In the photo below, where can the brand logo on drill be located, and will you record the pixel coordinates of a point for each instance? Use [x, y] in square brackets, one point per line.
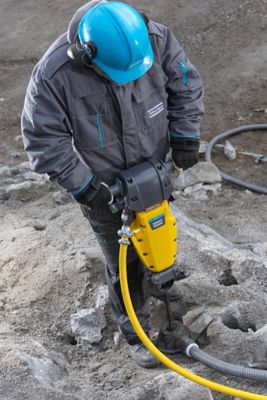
[157, 222]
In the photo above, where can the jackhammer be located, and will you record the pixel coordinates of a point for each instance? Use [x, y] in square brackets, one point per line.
[142, 193]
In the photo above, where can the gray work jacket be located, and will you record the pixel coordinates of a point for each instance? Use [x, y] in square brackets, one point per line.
[75, 123]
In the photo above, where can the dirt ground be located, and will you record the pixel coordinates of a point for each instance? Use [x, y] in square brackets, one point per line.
[50, 263]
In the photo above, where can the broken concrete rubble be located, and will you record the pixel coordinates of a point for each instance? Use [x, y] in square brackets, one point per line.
[258, 341]
[200, 325]
[21, 168]
[49, 368]
[202, 172]
[5, 171]
[20, 183]
[233, 319]
[87, 324]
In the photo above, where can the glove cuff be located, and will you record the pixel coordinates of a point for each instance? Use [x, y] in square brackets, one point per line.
[185, 144]
[89, 192]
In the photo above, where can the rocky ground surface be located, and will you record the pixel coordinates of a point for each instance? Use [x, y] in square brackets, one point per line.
[52, 286]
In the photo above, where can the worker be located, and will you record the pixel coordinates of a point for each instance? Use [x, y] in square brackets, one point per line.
[114, 90]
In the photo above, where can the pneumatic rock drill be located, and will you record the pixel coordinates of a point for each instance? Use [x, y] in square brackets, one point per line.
[142, 193]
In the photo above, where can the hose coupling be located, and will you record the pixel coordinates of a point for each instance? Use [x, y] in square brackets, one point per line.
[189, 347]
[125, 233]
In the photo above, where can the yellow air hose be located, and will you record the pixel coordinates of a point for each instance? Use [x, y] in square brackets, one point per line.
[156, 352]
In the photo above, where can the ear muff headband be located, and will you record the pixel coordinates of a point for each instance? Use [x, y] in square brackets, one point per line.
[144, 16]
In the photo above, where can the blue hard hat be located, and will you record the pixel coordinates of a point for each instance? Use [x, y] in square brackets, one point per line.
[115, 38]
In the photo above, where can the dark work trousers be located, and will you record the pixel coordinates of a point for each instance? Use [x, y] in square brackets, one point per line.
[106, 226]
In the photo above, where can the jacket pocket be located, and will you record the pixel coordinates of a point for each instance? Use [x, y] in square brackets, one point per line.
[94, 120]
[94, 131]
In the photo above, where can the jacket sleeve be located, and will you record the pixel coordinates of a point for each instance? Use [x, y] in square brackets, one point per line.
[185, 92]
[47, 137]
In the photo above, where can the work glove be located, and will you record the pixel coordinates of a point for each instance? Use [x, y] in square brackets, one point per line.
[184, 158]
[95, 195]
[184, 151]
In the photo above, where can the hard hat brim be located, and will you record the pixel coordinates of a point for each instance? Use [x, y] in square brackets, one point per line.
[123, 77]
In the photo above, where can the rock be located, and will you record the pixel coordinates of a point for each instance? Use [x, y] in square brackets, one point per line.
[190, 189]
[16, 187]
[202, 172]
[196, 192]
[210, 243]
[5, 171]
[47, 370]
[62, 197]
[206, 237]
[229, 151]
[102, 297]
[257, 349]
[34, 177]
[21, 168]
[29, 190]
[24, 186]
[199, 191]
[233, 319]
[88, 324]
[200, 325]
[215, 187]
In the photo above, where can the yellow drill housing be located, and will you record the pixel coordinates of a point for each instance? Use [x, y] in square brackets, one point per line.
[155, 237]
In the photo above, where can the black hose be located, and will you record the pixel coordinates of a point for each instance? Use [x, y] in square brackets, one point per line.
[232, 132]
[225, 367]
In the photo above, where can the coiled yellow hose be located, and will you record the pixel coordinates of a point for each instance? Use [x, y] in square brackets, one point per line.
[156, 352]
